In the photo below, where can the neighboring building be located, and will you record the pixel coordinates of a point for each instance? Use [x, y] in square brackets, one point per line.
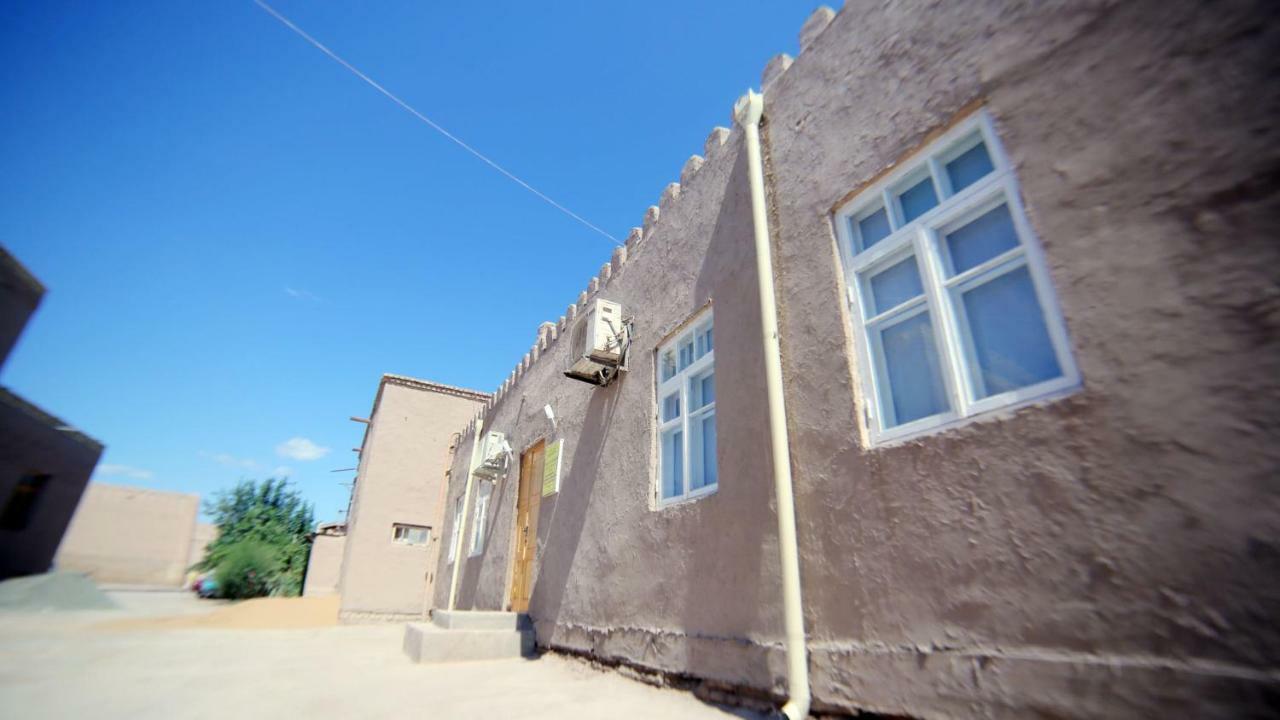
[44, 462]
[131, 536]
[389, 559]
[1025, 258]
[324, 564]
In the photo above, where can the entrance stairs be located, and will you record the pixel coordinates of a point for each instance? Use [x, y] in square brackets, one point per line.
[456, 635]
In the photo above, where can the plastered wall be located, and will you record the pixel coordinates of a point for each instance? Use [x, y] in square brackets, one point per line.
[402, 469]
[131, 536]
[1107, 554]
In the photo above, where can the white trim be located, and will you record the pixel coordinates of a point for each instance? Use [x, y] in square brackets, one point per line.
[924, 239]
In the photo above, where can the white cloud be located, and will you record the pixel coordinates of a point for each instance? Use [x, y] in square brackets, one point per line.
[229, 460]
[123, 471]
[301, 294]
[300, 448]
[282, 471]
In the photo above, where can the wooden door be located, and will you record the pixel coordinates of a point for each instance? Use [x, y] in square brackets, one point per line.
[527, 504]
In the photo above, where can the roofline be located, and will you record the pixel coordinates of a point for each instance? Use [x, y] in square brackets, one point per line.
[427, 385]
[21, 272]
[9, 397]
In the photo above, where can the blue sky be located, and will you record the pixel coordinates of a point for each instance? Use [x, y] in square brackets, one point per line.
[239, 237]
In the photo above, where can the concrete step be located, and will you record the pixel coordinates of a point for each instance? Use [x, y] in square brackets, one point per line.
[430, 643]
[480, 620]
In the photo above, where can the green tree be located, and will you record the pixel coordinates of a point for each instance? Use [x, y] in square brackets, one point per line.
[262, 542]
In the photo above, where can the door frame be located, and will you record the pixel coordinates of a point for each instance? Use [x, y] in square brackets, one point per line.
[534, 488]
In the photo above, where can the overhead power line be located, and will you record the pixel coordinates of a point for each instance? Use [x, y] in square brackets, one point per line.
[430, 123]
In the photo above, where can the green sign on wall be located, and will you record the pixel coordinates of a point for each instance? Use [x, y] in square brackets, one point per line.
[551, 468]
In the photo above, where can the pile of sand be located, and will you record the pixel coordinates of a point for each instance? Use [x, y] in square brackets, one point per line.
[257, 614]
[53, 591]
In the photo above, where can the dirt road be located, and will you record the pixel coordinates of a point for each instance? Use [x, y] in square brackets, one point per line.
[85, 664]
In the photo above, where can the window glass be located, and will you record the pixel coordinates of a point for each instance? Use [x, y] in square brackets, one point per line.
[704, 391]
[709, 449]
[969, 167]
[914, 377]
[671, 407]
[1008, 334]
[686, 353]
[873, 228]
[668, 365]
[981, 239]
[704, 341]
[917, 200]
[704, 449]
[895, 285]
[672, 463]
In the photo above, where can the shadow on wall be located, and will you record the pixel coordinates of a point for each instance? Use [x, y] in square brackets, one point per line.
[732, 531]
[469, 579]
[563, 526]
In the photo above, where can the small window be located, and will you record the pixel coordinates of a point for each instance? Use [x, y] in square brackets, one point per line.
[456, 530]
[410, 534]
[687, 416]
[480, 522]
[23, 501]
[952, 306]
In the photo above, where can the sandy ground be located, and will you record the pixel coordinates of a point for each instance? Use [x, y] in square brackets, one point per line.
[89, 664]
[259, 614]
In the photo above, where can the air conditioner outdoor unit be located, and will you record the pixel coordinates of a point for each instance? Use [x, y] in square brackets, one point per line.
[598, 343]
[492, 460]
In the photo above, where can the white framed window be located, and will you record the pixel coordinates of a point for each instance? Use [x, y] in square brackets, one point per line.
[953, 311]
[481, 519]
[457, 528]
[410, 534]
[686, 413]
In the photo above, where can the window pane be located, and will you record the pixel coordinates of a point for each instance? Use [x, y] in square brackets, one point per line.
[703, 452]
[982, 239]
[704, 342]
[1009, 336]
[671, 407]
[672, 463]
[668, 365]
[703, 391]
[915, 381]
[686, 353]
[971, 166]
[873, 228]
[917, 200]
[895, 285]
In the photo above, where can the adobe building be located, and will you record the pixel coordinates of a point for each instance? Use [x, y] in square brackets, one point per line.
[392, 534]
[1024, 259]
[125, 535]
[45, 463]
[324, 562]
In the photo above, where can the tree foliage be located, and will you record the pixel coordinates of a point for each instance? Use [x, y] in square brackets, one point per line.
[263, 527]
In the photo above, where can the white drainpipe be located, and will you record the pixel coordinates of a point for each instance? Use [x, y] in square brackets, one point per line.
[748, 111]
[460, 551]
